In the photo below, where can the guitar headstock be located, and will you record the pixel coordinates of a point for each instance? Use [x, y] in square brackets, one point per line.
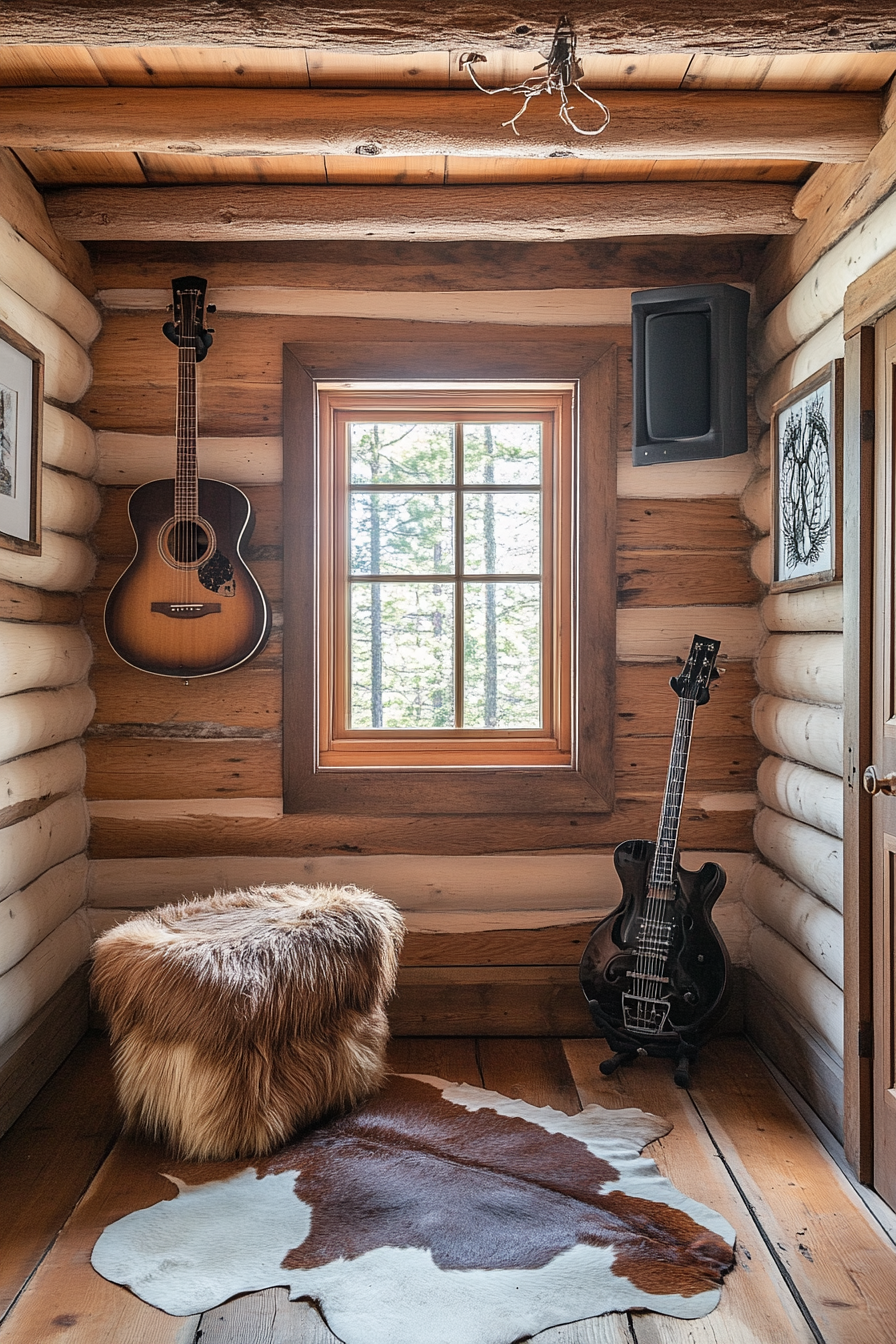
[188, 329]
[700, 670]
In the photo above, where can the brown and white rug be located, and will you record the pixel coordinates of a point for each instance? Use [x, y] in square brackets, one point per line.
[436, 1214]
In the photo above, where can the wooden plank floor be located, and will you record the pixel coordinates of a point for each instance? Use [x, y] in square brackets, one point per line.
[813, 1267]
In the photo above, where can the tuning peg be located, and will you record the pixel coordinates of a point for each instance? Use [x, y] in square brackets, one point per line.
[211, 308]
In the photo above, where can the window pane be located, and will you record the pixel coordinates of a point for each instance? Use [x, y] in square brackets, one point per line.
[502, 655]
[401, 454]
[401, 533]
[502, 454]
[402, 655]
[502, 533]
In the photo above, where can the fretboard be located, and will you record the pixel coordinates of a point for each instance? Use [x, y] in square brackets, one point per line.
[670, 820]
[186, 481]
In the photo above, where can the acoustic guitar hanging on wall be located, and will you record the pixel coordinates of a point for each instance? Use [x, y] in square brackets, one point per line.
[187, 605]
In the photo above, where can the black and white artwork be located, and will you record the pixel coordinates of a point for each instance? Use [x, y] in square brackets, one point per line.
[804, 482]
[8, 438]
[21, 400]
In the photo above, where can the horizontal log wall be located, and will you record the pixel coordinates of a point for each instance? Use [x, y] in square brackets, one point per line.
[795, 896]
[45, 656]
[184, 782]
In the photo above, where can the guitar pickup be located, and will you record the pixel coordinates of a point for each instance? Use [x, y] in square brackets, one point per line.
[185, 611]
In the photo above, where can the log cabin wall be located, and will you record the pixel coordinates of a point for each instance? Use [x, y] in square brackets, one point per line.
[45, 655]
[794, 1005]
[185, 781]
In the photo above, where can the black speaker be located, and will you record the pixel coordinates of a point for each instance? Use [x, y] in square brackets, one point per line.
[689, 361]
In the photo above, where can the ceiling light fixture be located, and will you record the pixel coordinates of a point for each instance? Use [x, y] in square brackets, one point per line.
[563, 72]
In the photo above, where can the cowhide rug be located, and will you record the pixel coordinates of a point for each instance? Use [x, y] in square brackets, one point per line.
[436, 1214]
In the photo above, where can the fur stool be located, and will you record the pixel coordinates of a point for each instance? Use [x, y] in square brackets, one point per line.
[242, 1017]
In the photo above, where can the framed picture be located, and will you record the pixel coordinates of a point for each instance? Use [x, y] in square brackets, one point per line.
[807, 429]
[21, 404]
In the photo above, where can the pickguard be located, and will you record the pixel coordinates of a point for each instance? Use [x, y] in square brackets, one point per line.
[217, 575]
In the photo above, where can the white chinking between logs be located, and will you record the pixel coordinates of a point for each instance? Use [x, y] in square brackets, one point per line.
[795, 896]
[45, 703]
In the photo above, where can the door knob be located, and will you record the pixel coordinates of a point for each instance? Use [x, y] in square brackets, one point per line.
[875, 783]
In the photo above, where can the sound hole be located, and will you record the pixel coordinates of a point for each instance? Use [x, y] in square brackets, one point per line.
[188, 542]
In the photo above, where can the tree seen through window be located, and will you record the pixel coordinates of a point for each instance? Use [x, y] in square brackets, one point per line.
[445, 575]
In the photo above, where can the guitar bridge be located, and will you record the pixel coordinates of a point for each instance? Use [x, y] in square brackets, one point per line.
[185, 611]
[644, 1015]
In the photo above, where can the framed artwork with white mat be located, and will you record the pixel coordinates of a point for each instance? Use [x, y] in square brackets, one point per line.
[21, 405]
[807, 433]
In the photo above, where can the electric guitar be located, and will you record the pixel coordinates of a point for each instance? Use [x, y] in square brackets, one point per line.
[187, 605]
[655, 971]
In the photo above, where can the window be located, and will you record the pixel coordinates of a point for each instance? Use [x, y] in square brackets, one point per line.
[449, 569]
[445, 577]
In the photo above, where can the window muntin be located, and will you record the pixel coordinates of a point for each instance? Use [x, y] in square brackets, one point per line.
[445, 568]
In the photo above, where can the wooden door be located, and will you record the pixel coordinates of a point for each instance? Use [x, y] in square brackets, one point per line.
[884, 764]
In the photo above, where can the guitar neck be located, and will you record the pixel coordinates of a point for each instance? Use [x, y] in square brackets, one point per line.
[661, 874]
[186, 481]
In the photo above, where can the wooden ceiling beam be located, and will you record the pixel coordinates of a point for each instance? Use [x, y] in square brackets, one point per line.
[434, 214]
[664, 124]
[638, 263]
[627, 26]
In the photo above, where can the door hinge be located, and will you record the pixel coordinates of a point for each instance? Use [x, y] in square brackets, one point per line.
[866, 1040]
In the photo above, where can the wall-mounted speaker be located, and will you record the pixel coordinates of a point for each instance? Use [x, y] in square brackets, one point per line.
[689, 361]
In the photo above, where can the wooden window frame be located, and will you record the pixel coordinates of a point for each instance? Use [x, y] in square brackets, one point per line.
[352, 351]
[342, 747]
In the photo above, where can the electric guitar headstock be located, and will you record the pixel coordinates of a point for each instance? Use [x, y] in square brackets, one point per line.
[188, 329]
[699, 672]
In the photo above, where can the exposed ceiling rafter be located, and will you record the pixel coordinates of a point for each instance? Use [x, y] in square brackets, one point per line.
[513, 213]
[815, 127]
[628, 26]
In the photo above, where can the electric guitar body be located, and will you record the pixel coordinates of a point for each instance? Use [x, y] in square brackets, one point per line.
[694, 988]
[188, 605]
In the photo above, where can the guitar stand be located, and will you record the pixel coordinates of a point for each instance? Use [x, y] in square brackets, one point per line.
[682, 1075]
[627, 1051]
[608, 1066]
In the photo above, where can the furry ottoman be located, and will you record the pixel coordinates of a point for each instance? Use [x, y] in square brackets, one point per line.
[242, 1017]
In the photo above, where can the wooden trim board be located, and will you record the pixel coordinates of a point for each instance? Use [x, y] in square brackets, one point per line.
[795, 1048]
[29, 1057]
[38, 1189]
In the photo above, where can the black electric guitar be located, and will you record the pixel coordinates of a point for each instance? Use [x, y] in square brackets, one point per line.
[655, 971]
[187, 605]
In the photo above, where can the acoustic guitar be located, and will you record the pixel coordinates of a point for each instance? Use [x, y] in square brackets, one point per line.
[187, 605]
[655, 971]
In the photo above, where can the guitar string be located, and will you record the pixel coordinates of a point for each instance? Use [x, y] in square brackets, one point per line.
[658, 929]
[652, 960]
[186, 485]
[655, 934]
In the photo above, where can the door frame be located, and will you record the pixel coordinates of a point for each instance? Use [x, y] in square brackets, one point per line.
[858, 659]
[866, 301]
